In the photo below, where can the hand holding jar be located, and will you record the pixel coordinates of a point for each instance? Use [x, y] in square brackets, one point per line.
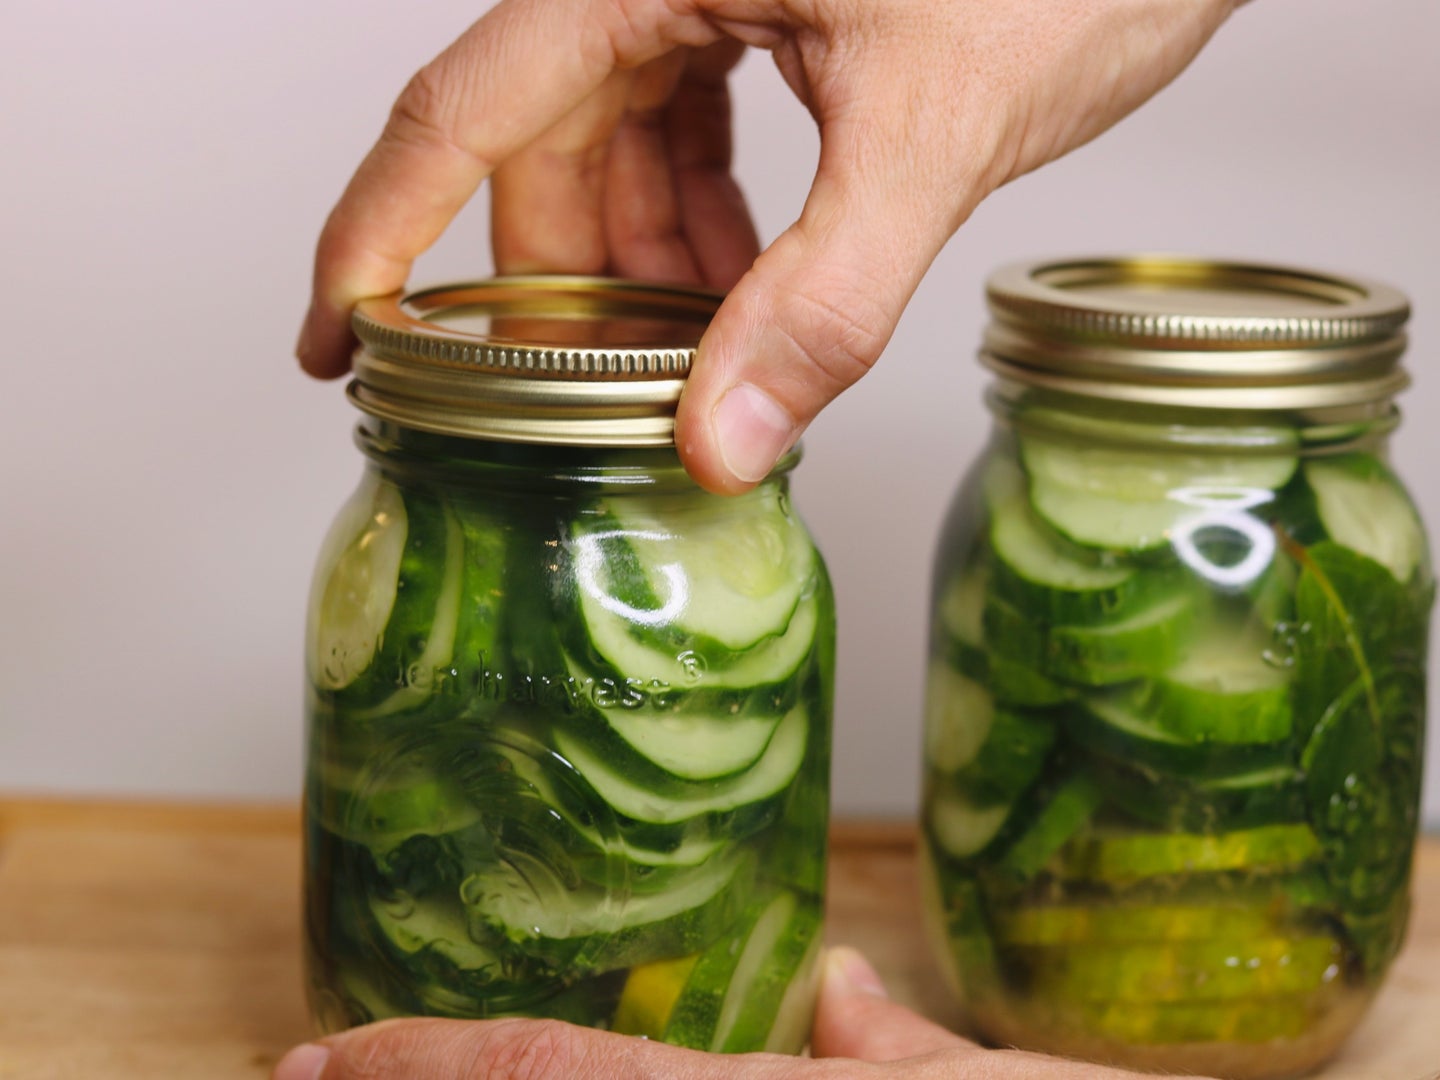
[604, 127]
[857, 1033]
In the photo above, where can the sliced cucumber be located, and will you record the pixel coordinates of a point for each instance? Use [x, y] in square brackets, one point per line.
[1363, 506]
[685, 571]
[355, 584]
[1010, 760]
[1106, 922]
[1016, 684]
[650, 996]
[647, 849]
[1034, 572]
[1147, 642]
[696, 746]
[591, 928]
[771, 998]
[1267, 796]
[1105, 522]
[958, 714]
[962, 605]
[769, 660]
[1236, 1020]
[1131, 497]
[1118, 857]
[383, 809]
[1125, 727]
[790, 1021]
[768, 777]
[960, 827]
[954, 905]
[775, 951]
[1225, 690]
[420, 637]
[752, 989]
[1218, 969]
[414, 926]
[1065, 813]
[697, 737]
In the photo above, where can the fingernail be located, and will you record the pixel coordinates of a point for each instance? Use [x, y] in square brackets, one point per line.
[753, 430]
[848, 972]
[302, 346]
[303, 1063]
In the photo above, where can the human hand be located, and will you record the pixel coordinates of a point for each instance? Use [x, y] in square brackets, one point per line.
[605, 126]
[856, 1029]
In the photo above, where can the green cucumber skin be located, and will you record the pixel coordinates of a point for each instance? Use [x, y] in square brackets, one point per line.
[1288, 802]
[422, 568]
[479, 734]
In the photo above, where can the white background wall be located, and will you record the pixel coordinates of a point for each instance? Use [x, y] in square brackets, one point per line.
[167, 472]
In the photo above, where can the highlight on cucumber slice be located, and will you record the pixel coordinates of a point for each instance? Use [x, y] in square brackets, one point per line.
[1100, 492]
[671, 563]
[355, 583]
[1363, 507]
[421, 635]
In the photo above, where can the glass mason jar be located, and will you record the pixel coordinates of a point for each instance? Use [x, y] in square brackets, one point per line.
[1176, 691]
[568, 714]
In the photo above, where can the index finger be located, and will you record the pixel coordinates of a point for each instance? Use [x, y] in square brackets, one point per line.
[507, 79]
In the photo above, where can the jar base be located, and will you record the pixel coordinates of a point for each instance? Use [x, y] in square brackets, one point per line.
[1278, 1059]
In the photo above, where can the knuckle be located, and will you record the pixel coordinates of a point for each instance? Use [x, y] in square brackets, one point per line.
[425, 112]
[838, 325]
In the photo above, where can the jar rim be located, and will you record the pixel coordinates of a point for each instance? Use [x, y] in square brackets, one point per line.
[1191, 331]
[552, 359]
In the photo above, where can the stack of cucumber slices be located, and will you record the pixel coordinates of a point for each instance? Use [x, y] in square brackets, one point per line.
[570, 765]
[1175, 713]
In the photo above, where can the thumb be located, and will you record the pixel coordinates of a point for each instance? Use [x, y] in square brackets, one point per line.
[815, 310]
[855, 1019]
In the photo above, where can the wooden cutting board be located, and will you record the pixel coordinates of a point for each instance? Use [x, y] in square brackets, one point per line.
[162, 940]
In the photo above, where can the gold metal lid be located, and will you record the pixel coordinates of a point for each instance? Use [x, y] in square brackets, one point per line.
[1169, 330]
[570, 360]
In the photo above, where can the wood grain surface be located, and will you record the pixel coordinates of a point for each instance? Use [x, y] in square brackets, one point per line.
[156, 941]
